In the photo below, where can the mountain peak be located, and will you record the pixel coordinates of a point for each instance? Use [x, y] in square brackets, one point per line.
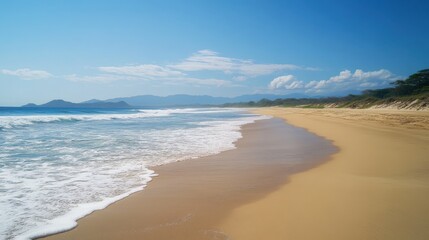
[59, 103]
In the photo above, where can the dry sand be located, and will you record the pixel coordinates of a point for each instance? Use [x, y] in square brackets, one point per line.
[189, 198]
[375, 187]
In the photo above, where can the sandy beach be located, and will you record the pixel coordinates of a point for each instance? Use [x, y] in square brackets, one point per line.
[214, 120]
[188, 199]
[375, 187]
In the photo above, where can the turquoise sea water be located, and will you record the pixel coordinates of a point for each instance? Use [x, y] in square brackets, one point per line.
[58, 165]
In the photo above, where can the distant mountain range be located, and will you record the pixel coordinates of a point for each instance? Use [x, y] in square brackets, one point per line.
[64, 104]
[157, 101]
[192, 100]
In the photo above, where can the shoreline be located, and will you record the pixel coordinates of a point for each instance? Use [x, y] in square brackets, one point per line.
[375, 187]
[193, 195]
[220, 137]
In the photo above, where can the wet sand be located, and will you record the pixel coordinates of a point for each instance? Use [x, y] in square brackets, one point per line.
[375, 187]
[189, 199]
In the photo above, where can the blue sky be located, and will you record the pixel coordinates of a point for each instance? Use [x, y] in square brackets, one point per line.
[78, 50]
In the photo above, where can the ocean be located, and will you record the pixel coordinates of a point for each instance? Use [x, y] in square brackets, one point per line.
[58, 165]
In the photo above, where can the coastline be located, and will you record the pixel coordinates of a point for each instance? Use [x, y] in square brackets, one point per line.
[189, 198]
[375, 187]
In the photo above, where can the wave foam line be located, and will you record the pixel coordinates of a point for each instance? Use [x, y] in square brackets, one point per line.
[15, 121]
[69, 220]
[7, 122]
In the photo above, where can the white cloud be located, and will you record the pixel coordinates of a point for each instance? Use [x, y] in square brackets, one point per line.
[311, 84]
[236, 70]
[98, 78]
[380, 74]
[344, 75]
[201, 81]
[358, 80]
[207, 52]
[103, 78]
[211, 61]
[345, 80]
[148, 72]
[240, 78]
[253, 69]
[145, 70]
[287, 82]
[26, 73]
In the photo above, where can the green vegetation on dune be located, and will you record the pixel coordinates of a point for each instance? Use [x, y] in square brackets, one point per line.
[412, 92]
[415, 84]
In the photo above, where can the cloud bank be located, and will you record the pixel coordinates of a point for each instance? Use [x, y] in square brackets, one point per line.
[228, 72]
[207, 60]
[145, 70]
[233, 69]
[345, 80]
[287, 82]
[27, 74]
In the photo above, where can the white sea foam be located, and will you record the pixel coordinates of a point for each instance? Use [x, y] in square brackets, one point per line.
[68, 220]
[52, 176]
[16, 121]
[13, 121]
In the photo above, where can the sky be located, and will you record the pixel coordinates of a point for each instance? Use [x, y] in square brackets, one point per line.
[80, 50]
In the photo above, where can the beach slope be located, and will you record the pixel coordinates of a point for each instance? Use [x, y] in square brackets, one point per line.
[375, 187]
[189, 198]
